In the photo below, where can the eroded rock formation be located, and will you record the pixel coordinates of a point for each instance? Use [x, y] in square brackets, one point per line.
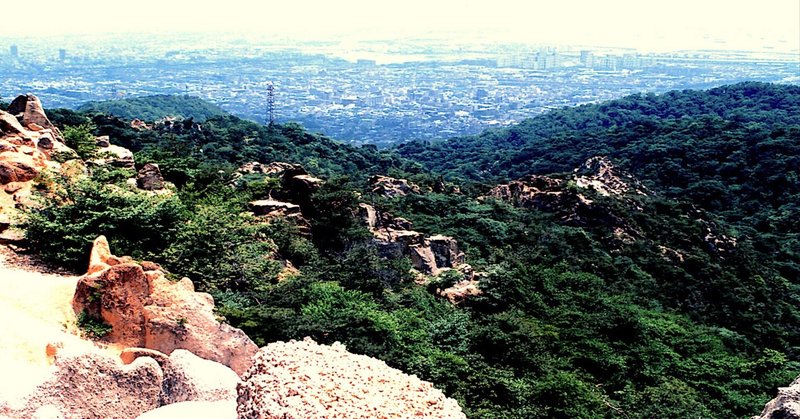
[395, 238]
[92, 385]
[145, 309]
[112, 155]
[149, 178]
[391, 187]
[290, 198]
[600, 174]
[28, 144]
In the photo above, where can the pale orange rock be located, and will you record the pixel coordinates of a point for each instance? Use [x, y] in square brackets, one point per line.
[146, 310]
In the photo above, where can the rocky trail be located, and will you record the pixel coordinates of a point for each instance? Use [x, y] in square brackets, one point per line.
[37, 307]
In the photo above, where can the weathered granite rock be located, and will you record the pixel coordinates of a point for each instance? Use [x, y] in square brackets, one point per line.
[115, 156]
[600, 174]
[28, 110]
[194, 409]
[445, 249]
[149, 178]
[307, 380]
[786, 405]
[395, 238]
[391, 187]
[188, 377]
[144, 309]
[91, 385]
[271, 206]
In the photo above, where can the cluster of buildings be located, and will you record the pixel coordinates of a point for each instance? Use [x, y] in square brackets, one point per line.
[364, 100]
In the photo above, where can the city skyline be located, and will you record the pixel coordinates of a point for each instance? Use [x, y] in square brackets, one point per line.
[770, 25]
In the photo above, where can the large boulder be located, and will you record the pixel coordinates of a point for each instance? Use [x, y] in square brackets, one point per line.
[391, 187]
[149, 178]
[786, 405]
[188, 377]
[394, 238]
[307, 380]
[145, 309]
[445, 249]
[10, 125]
[113, 155]
[28, 110]
[92, 385]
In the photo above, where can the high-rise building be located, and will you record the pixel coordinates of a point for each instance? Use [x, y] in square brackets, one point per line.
[14, 51]
[587, 58]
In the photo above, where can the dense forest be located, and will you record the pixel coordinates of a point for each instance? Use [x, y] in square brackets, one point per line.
[155, 107]
[575, 318]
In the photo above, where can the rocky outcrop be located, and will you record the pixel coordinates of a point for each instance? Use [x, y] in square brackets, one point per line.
[92, 385]
[149, 178]
[145, 309]
[289, 199]
[194, 409]
[786, 405]
[600, 174]
[307, 380]
[391, 187]
[28, 110]
[140, 125]
[279, 170]
[112, 155]
[395, 238]
[554, 194]
[462, 291]
[568, 196]
[534, 191]
[271, 207]
[29, 145]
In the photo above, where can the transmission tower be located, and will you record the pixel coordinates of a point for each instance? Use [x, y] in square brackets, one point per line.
[271, 104]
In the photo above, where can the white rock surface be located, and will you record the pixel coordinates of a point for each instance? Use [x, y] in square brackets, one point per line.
[307, 380]
[187, 377]
[193, 410]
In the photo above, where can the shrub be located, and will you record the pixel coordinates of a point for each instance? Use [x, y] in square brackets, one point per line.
[136, 223]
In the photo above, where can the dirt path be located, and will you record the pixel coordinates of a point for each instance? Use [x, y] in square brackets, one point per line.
[36, 309]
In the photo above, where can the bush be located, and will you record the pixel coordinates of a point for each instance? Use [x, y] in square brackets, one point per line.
[63, 228]
[222, 249]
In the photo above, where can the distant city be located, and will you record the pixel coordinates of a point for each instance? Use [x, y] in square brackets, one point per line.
[381, 93]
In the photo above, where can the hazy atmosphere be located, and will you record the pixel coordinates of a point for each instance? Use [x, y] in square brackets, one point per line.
[648, 26]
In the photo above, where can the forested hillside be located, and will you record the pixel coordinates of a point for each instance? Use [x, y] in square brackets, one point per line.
[598, 295]
[156, 107]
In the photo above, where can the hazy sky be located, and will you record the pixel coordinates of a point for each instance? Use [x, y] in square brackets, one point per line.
[647, 25]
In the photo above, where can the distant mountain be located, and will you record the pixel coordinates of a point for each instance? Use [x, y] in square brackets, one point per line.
[151, 108]
[734, 149]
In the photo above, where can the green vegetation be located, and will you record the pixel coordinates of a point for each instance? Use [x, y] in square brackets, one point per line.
[151, 108]
[92, 327]
[641, 309]
[81, 139]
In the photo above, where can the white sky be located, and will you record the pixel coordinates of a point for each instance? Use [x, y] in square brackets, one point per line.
[643, 24]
